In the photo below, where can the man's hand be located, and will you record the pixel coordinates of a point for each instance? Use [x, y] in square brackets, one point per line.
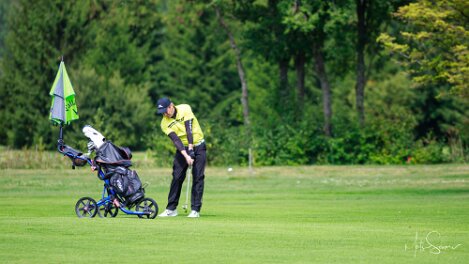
[116, 203]
[188, 158]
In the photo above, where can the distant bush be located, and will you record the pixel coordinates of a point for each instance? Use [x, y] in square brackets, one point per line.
[431, 152]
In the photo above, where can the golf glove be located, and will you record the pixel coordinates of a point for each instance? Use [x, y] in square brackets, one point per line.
[192, 154]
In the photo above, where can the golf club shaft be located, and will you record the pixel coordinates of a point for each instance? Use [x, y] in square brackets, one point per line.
[189, 174]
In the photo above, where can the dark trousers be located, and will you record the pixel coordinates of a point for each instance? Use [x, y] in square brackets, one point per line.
[179, 175]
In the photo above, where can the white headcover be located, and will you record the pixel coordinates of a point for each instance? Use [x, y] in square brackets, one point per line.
[94, 135]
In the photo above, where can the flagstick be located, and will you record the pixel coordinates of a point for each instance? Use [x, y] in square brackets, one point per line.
[60, 141]
[61, 133]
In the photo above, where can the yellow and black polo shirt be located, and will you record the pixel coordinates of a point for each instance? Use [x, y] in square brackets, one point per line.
[176, 125]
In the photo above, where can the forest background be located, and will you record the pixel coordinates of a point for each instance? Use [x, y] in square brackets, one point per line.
[287, 82]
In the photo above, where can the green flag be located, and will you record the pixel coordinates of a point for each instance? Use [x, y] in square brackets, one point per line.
[64, 108]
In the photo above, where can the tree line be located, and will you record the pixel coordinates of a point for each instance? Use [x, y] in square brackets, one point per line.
[289, 81]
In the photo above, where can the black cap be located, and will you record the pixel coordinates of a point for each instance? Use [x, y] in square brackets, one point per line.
[162, 104]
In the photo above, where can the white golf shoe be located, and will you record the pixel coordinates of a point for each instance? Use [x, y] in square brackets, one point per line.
[194, 214]
[168, 213]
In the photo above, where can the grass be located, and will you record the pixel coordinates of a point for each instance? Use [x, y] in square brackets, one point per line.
[41, 159]
[317, 214]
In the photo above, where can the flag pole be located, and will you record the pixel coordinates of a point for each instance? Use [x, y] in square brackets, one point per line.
[60, 142]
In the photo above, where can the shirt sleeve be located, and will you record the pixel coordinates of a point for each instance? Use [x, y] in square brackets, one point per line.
[190, 138]
[176, 141]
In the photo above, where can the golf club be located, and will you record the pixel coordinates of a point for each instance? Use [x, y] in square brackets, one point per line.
[188, 174]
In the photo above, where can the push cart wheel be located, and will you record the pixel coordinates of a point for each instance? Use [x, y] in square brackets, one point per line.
[86, 207]
[108, 210]
[149, 207]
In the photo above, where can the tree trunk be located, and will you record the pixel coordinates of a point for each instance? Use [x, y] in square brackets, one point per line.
[244, 83]
[277, 28]
[361, 67]
[320, 69]
[284, 93]
[241, 72]
[300, 61]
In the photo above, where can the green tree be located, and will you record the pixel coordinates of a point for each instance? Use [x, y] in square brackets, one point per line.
[196, 65]
[370, 18]
[311, 20]
[266, 35]
[43, 31]
[4, 8]
[117, 46]
[122, 112]
[116, 41]
[122, 63]
[434, 47]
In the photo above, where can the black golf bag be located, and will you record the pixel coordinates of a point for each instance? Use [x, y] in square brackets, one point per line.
[115, 162]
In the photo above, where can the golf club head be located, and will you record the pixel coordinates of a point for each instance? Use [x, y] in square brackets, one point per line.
[91, 133]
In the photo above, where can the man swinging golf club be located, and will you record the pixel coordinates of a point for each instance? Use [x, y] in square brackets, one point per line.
[180, 124]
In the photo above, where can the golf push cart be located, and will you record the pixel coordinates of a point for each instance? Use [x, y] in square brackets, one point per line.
[122, 187]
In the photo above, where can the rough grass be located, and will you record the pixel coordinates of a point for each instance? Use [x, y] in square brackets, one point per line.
[40, 159]
[318, 214]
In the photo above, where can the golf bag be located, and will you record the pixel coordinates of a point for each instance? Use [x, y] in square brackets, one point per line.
[127, 184]
[115, 162]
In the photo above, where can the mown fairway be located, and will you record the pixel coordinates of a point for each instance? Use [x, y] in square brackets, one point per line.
[314, 214]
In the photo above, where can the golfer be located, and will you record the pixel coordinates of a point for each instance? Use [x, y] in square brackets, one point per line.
[180, 124]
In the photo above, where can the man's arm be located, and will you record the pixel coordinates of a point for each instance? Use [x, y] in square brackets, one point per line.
[190, 137]
[180, 147]
[177, 141]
